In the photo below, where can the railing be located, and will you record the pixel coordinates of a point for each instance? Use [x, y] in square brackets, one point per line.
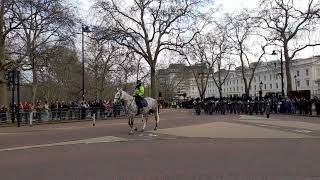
[72, 114]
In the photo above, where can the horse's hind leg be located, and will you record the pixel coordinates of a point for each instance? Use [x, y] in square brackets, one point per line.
[131, 125]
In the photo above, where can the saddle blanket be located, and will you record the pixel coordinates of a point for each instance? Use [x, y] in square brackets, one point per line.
[144, 103]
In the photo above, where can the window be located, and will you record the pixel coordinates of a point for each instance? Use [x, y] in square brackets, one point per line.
[307, 72]
[265, 86]
[265, 78]
[255, 87]
[277, 86]
[308, 83]
[237, 81]
[237, 88]
[298, 83]
[259, 78]
[298, 73]
[270, 77]
[254, 79]
[270, 86]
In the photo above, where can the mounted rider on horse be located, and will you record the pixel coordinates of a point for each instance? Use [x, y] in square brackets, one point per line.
[139, 95]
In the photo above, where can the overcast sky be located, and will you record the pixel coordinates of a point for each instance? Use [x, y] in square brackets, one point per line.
[227, 5]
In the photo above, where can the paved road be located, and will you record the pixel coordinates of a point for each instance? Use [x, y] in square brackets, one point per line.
[185, 147]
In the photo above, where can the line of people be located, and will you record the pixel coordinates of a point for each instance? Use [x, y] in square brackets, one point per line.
[60, 110]
[301, 106]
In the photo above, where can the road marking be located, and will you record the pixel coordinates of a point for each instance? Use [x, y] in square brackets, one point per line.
[291, 124]
[105, 139]
[229, 130]
[302, 131]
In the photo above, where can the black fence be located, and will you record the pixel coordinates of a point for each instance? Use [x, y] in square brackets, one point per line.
[43, 116]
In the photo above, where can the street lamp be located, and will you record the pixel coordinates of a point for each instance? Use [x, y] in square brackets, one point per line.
[260, 92]
[281, 71]
[85, 29]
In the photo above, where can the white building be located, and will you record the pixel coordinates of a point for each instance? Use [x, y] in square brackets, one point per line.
[305, 75]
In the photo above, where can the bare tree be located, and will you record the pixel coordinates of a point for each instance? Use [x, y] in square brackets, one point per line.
[102, 56]
[290, 23]
[9, 21]
[219, 49]
[49, 22]
[149, 27]
[249, 45]
[60, 79]
[198, 58]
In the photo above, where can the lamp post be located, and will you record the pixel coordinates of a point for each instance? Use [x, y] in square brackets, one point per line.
[13, 84]
[281, 71]
[85, 29]
[260, 92]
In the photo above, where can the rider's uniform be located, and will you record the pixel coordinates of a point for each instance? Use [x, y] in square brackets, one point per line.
[138, 94]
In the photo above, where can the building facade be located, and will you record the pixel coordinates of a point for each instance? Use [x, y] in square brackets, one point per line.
[305, 75]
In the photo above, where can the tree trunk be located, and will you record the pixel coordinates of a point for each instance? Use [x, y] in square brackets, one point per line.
[220, 92]
[154, 91]
[34, 84]
[3, 84]
[288, 71]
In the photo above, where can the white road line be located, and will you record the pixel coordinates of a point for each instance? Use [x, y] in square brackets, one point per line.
[303, 131]
[105, 139]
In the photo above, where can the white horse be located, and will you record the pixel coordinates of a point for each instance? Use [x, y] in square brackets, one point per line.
[131, 108]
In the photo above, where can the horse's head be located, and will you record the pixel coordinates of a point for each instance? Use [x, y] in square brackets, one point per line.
[119, 96]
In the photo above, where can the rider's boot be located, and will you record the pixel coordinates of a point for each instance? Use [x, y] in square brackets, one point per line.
[138, 111]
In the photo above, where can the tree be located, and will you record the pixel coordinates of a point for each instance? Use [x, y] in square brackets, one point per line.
[102, 56]
[50, 21]
[60, 79]
[9, 21]
[290, 22]
[149, 27]
[198, 55]
[219, 58]
[249, 45]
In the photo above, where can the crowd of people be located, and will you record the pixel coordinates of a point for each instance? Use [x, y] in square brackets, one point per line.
[269, 105]
[237, 105]
[60, 110]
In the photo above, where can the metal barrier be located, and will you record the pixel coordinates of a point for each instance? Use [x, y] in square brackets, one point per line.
[71, 114]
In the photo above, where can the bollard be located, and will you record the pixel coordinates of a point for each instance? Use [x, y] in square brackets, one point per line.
[94, 119]
[31, 119]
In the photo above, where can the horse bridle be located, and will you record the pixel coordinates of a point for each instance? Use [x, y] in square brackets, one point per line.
[118, 98]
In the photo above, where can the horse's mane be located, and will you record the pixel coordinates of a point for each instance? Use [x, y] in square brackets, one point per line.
[127, 94]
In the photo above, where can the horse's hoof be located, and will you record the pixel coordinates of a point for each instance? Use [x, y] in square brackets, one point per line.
[135, 129]
[155, 129]
[142, 130]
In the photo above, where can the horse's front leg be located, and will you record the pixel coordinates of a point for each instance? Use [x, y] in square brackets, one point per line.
[130, 122]
[144, 122]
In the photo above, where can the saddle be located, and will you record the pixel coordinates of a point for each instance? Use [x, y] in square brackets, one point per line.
[144, 102]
